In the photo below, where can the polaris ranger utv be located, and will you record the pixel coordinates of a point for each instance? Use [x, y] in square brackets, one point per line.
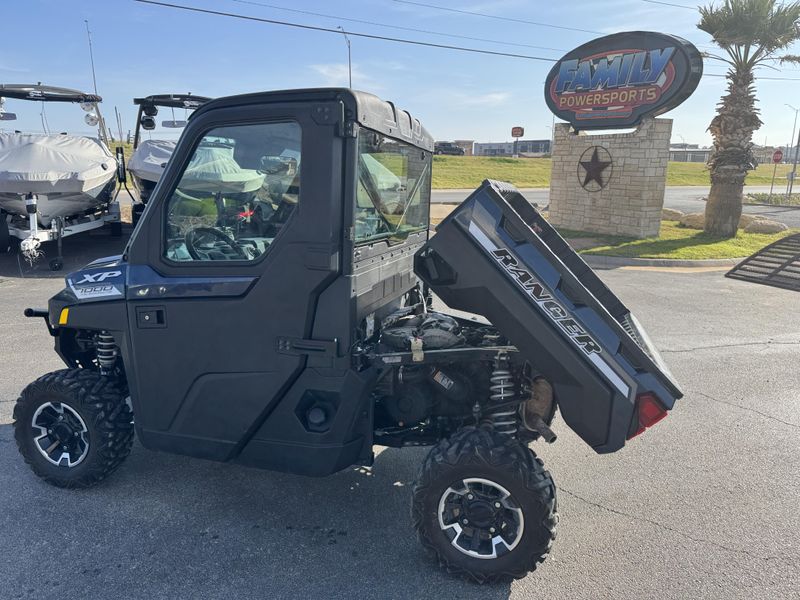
[274, 309]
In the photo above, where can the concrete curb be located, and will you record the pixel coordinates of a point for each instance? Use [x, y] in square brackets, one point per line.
[795, 206]
[609, 262]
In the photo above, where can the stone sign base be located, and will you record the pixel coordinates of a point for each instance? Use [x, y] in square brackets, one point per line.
[610, 183]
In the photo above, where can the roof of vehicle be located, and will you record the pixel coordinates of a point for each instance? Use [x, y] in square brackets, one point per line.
[172, 100]
[45, 93]
[366, 109]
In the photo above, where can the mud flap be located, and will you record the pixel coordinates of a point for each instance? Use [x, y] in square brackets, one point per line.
[496, 256]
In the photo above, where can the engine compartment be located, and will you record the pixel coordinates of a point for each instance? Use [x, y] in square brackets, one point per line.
[440, 372]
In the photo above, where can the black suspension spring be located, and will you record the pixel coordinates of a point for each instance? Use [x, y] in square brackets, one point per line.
[501, 395]
[106, 351]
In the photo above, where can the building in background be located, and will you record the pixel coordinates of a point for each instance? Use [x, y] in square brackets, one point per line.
[694, 153]
[527, 148]
[764, 154]
[689, 153]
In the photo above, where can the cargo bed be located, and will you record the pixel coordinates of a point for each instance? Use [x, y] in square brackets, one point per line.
[496, 256]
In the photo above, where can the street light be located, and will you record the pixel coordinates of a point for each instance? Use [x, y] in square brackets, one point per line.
[790, 183]
[349, 62]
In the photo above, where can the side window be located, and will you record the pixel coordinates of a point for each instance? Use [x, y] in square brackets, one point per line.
[236, 193]
[394, 187]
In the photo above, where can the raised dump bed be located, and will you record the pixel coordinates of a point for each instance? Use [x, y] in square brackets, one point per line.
[496, 256]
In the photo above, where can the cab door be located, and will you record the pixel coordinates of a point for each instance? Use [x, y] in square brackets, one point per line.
[239, 239]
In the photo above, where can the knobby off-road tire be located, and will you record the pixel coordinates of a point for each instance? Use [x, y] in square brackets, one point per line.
[94, 407]
[483, 455]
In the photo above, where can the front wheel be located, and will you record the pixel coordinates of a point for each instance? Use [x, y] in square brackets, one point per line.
[73, 427]
[484, 505]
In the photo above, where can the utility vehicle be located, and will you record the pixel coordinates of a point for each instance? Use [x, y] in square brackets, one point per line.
[299, 340]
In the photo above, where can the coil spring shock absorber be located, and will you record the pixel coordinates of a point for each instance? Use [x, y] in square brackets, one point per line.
[106, 351]
[501, 395]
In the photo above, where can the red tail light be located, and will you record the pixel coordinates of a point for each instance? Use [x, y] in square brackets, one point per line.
[650, 412]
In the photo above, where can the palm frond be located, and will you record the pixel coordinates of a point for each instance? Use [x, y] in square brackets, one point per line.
[750, 31]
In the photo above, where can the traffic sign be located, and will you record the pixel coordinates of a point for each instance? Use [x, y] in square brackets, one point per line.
[517, 132]
[777, 156]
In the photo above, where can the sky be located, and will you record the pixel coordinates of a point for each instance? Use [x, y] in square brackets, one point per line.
[142, 49]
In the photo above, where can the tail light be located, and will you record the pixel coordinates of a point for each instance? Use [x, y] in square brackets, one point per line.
[649, 411]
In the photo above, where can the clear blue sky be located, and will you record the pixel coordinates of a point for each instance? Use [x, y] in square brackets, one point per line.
[141, 49]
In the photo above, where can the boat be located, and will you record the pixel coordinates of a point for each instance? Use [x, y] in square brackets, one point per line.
[150, 156]
[54, 185]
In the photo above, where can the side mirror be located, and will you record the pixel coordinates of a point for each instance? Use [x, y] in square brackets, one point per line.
[173, 124]
[8, 116]
[148, 123]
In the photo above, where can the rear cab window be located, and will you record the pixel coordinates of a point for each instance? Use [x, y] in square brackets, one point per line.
[393, 191]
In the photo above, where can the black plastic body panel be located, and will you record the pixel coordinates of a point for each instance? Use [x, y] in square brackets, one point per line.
[497, 257]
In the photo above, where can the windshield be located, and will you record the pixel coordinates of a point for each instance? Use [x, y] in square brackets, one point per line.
[394, 187]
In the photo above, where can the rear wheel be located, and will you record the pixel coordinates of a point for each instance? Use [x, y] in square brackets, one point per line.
[485, 506]
[73, 427]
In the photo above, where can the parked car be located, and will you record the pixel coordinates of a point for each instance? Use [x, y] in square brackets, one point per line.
[448, 148]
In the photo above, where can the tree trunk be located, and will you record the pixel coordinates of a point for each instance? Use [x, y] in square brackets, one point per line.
[732, 129]
[724, 205]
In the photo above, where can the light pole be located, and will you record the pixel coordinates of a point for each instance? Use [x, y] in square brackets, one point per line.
[790, 183]
[350, 63]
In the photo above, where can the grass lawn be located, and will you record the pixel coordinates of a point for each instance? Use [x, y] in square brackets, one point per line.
[679, 243]
[468, 172]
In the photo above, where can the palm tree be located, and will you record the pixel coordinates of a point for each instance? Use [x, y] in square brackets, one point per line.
[751, 33]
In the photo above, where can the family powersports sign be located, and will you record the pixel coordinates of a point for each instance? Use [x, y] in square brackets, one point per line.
[615, 81]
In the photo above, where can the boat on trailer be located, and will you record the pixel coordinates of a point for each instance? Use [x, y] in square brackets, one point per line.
[54, 185]
[150, 156]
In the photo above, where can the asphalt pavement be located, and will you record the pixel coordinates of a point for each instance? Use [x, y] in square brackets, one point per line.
[688, 199]
[703, 505]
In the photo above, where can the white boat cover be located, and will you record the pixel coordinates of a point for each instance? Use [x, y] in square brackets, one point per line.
[213, 169]
[41, 164]
[150, 158]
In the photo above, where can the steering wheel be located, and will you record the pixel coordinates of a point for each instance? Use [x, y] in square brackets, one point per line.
[194, 236]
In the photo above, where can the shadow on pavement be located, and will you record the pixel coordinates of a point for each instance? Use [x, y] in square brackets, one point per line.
[78, 250]
[166, 526]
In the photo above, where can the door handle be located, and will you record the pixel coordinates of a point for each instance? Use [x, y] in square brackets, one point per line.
[320, 353]
[151, 317]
